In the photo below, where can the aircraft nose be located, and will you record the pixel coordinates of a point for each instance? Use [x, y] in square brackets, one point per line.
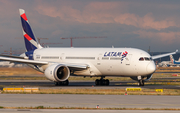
[151, 67]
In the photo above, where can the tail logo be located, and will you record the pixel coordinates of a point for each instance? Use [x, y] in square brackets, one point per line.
[172, 60]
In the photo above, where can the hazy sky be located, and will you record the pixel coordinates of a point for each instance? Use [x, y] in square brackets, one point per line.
[125, 23]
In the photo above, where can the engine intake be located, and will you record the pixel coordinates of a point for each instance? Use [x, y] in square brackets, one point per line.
[57, 72]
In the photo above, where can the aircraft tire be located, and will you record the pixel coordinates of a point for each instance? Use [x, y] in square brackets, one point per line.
[102, 82]
[56, 83]
[66, 82]
[63, 83]
[141, 83]
[107, 82]
[97, 82]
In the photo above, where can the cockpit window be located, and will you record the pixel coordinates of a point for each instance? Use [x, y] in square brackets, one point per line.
[141, 59]
[145, 59]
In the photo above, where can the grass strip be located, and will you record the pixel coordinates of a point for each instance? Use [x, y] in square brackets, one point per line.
[87, 108]
[101, 92]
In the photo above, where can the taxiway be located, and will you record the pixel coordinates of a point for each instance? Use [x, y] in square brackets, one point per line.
[46, 84]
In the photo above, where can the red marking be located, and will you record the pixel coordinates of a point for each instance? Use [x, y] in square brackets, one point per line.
[174, 74]
[27, 37]
[126, 93]
[24, 16]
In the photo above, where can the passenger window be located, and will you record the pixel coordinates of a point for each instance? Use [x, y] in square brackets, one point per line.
[141, 59]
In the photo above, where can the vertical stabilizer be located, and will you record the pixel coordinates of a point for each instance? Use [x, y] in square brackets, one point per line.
[31, 42]
[172, 59]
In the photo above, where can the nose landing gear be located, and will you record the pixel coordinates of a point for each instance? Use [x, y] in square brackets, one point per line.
[141, 83]
[140, 80]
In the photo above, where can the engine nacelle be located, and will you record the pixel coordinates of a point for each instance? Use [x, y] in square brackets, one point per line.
[57, 72]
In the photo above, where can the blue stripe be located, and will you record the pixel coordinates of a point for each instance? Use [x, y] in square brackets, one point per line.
[176, 62]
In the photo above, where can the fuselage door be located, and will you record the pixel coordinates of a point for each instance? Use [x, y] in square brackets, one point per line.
[99, 58]
[62, 57]
[128, 59]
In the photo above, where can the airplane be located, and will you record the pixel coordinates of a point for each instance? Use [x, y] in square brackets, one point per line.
[173, 61]
[164, 63]
[58, 64]
[6, 64]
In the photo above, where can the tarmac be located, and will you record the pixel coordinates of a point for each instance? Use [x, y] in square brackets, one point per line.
[46, 84]
[90, 101]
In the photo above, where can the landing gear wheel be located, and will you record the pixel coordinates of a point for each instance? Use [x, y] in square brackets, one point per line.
[97, 82]
[102, 82]
[66, 83]
[141, 83]
[107, 82]
[63, 83]
[56, 83]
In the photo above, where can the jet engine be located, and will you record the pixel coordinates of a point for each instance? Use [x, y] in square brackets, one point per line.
[57, 72]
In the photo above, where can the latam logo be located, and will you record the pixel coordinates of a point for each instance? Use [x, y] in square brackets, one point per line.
[116, 54]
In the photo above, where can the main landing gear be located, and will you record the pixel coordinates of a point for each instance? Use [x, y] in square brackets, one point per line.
[63, 83]
[102, 81]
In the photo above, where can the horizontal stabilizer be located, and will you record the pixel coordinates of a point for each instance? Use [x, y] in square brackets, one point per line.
[11, 56]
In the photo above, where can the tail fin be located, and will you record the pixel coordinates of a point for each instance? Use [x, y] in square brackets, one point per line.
[172, 59]
[31, 42]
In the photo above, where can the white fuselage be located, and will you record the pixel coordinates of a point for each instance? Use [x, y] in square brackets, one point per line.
[102, 61]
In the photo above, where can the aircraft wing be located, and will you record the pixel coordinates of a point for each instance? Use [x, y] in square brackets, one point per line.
[163, 55]
[24, 61]
[73, 66]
